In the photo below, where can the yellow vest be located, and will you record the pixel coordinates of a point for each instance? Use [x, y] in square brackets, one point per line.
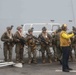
[65, 41]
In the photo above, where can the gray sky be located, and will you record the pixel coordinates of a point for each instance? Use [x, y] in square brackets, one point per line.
[18, 12]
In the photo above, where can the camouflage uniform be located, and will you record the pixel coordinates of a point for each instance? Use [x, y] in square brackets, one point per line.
[45, 41]
[54, 45]
[8, 44]
[31, 43]
[19, 49]
[58, 48]
[74, 46]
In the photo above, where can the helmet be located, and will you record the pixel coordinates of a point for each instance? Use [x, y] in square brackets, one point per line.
[19, 27]
[30, 30]
[9, 28]
[64, 26]
[44, 29]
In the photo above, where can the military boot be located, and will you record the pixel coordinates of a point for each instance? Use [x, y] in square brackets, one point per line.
[22, 61]
[50, 61]
[35, 61]
[10, 59]
[5, 60]
[43, 61]
[17, 60]
[43, 58]
[55, 59]
[29, 62]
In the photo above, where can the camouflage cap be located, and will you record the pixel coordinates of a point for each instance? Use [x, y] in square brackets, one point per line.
[19, 27]
[44, 29]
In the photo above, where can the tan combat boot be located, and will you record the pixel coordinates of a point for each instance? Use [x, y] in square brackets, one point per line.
[43, 61]
[50, 61]
[35, 62]
[29, 62]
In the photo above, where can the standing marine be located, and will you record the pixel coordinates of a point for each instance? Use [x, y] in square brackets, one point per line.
[31, 43]
[19, 48]
[8, 44]
[45, 41]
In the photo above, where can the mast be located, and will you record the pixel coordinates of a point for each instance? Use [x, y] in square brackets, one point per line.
[72, 7]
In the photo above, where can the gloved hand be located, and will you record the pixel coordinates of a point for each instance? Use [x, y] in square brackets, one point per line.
[10, 40]
[7, 40]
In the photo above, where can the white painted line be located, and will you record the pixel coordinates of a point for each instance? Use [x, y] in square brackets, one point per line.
[73, 71]
[58, 70]
[62, 71]
[6, 64]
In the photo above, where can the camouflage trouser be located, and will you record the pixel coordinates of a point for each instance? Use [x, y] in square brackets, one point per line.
[59, 52]
[70, 55]
[19, 53]
[55, 52]
[47, 49]
[7, 52]
[31, 52]
[74, 47]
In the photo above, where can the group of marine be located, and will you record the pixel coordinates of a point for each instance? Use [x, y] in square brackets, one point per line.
[45, 40]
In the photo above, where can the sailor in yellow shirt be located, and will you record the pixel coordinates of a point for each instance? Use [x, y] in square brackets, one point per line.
[65, 46]
[65, 38]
